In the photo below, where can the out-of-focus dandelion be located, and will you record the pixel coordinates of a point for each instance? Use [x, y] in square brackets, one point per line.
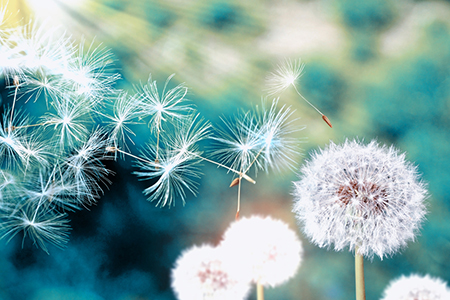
[365, 197]
[415, 287]
[285, 76]
[265, 250]
[201, 273]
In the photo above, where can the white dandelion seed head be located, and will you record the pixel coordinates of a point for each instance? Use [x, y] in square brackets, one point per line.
[285, 75]
[416, 287]
[265, 250]
[355, 195]
[201, 273]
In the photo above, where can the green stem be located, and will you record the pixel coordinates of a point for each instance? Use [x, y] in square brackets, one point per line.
[359, 276]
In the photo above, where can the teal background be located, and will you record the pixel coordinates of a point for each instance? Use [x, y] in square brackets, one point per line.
[377, 69]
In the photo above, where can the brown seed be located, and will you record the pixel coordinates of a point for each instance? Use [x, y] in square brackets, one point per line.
[235, 182]
[111, 149]
[327, 121]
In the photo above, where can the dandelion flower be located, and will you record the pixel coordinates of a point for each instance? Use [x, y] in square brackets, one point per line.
[267, 251]
[200, 273]
[364, 196]
[416, 287]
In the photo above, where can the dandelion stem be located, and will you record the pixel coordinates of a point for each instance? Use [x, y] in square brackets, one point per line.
[259, 291]
[323, 116]
[359, 276]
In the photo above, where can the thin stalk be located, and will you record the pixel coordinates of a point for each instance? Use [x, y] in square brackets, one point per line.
[259, 291]
[243, 175]
[34, 125]
[359, 276]
[323, 116]
[132, 155]
[239, 199]
[157, 145]
[16, 83]
[256, 157]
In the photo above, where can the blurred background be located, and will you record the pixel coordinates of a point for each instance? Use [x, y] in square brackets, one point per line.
[378, 69]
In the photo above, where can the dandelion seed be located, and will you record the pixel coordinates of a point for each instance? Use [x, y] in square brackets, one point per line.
[90, 74]
[417, 287]
[49, 186]
[12, 139]
[68, 122]
[287, 75]
[169, 105]
[174, 173]
[41, 224]
[278, 147]
[86, 169]
[237, 144]
[201, 273]
[125, 112]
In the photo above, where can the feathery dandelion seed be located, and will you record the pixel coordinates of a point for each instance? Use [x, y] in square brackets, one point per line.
[287, 75]
[125, 112]
[174, 173]
[86, 169]
[170, 105]
[41, 224]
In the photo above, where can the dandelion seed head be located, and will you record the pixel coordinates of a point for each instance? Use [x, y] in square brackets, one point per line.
[265, 250]
[417, 287]
[356, 195]
[202, 273]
